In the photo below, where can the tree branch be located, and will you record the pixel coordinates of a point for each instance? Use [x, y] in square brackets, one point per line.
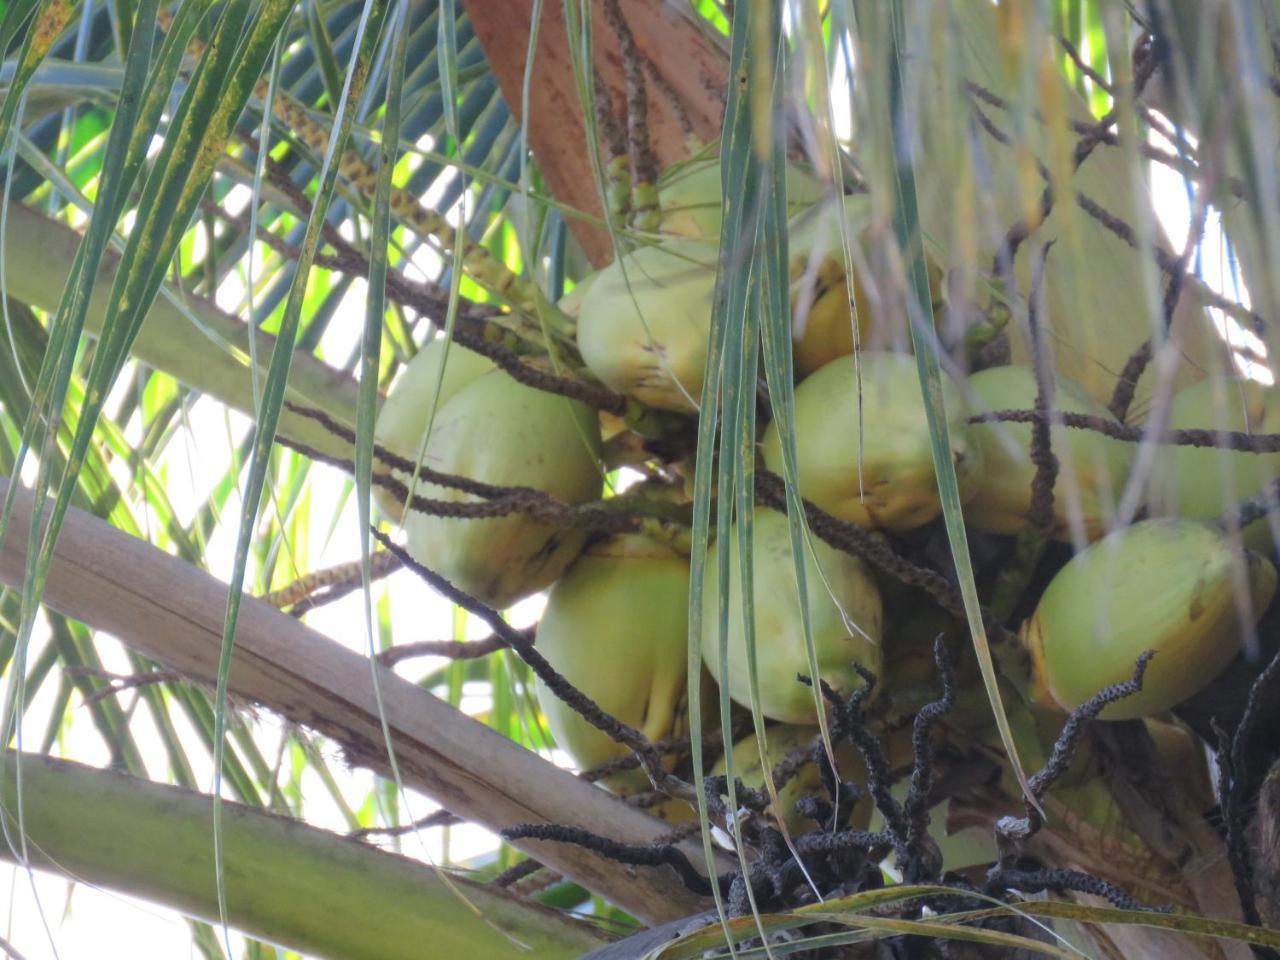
[173, 612]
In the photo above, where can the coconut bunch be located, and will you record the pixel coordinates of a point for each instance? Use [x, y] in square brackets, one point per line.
[1181, 586]
[643, 322]
[1103, 588]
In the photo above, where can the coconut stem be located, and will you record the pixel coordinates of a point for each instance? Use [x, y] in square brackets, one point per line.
[1032, 540]
[1127, 384]
[425, 222]
[1090, 138]
[617, 173]
[644, 167]
[501, 501]
[641, 855]
[1012, 830]
[1062, 880]
[875, 549]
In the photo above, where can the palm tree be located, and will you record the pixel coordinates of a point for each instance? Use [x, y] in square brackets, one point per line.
[229, 229]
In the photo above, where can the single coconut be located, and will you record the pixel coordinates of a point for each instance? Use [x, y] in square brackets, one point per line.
[1171, 585]
[875, 470]
[1206, 482]
[616, 627]
[844, 609]
[403, 417]
[645, 321]
[499, 431]
[1092, 467]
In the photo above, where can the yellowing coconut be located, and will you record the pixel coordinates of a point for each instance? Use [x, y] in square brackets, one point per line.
[689, 195]
[844, 609]
[822, 317]
[1206, 482]
[897, 489]
[645, 321]
[1092, 468]
[402, 419]
[1168, 585]
[502, 432]
[781, 740]
[616, 627]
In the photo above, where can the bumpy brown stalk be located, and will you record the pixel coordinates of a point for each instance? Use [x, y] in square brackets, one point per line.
[423, 296]
[1014, 577]
[1221, 439]
[618, 515]
[118, 683]
[1235, 781]
[441, 818]
[1184, 165]
[1127, 382]
[647, 751]
[331, 579]
[615, 138]
[1040, 513]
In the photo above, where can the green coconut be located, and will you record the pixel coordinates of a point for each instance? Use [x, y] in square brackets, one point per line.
[782, 739]
[616, 627]
[1092, 468]
[1206, 482]
[499, 431]
[689, 196]
[1170, 585]
[403, 416]
[883, 478]
[645, 321]
[844, 611]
